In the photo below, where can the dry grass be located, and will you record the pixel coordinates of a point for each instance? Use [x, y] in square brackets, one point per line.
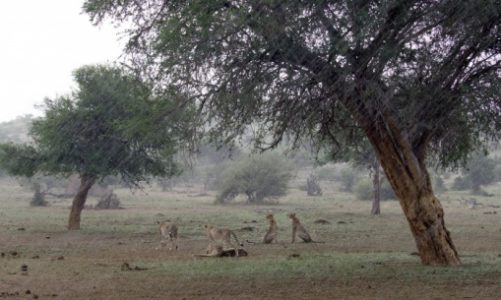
[363, 257]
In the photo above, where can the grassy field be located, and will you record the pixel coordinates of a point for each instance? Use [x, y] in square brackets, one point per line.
[363, 257]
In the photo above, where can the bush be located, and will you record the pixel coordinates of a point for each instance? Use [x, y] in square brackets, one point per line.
[326, 173]
[213, 176]
[257, 177]
[364, 190]
[108, 201]
[480, 171]
[348, 178]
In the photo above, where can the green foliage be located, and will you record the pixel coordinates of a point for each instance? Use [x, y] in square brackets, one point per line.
[210, 154]
[364, 190]
[257, 177]
[108, 201]
[327, 172]
[328, 70]
[214, 175]
[346, 174]
[111, 125]
[20, 160]
[348, 177]
[479, 170]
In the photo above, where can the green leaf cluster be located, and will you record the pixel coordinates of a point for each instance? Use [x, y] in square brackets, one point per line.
[328, 70]
[257, 177]
[112, 124]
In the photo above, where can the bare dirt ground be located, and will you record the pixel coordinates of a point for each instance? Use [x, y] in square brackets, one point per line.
[363, 257]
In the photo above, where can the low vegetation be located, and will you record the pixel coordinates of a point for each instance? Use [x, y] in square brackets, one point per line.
[356, 261]
[256, 177]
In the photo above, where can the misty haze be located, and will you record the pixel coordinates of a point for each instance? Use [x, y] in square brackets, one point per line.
[250, 149]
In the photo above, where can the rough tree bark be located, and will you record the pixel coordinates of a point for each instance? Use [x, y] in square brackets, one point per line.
[406, 171]
[404, 166]
[86, 183]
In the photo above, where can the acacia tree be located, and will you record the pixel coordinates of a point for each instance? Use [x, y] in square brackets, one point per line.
[111, 125]
[419, 79]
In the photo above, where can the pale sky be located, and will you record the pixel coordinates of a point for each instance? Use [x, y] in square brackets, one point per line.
[42, 43]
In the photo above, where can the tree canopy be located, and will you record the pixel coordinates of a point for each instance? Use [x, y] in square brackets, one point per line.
[113, 124]
[257, 177]
[312, 66]
[419, 79]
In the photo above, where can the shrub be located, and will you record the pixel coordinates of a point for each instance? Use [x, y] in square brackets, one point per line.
[213, 176]
[480, 171]
[348, 178]
[327, 173]
[257, 177]
[364, 190]
[108, 201]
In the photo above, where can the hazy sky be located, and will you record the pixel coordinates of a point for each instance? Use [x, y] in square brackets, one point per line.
[42, 42]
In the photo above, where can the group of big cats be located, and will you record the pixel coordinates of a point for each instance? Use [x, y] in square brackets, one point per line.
[168, 231]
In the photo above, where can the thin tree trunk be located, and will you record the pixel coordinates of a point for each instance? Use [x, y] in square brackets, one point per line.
[377, 190]
[409, 178]
[79, 202]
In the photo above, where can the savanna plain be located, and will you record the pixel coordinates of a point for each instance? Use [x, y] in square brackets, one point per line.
[362, 257]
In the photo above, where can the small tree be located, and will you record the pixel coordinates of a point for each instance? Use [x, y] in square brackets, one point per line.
[348, 177]
[112, 125]
[257, 177]
[108, 201]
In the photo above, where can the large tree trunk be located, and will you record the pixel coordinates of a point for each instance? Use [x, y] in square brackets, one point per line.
[79, 202]
[402, 161]
[406, 171]
[376, 181]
